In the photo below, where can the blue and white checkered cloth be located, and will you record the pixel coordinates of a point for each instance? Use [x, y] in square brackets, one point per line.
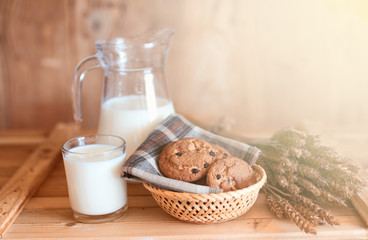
[142, 166]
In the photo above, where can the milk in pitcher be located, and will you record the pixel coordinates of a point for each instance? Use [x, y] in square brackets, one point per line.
[133, 117]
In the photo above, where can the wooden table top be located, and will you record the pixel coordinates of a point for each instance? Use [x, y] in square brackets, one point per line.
[47, 215]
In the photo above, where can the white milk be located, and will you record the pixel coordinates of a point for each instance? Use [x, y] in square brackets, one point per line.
[133, 118]
[94, 183]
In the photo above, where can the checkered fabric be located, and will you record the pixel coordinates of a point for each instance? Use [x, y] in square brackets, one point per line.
[142, 166]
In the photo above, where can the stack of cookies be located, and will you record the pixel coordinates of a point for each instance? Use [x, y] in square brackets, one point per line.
[195, 160]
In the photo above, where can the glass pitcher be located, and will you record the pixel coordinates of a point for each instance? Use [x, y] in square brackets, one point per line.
[135, 98]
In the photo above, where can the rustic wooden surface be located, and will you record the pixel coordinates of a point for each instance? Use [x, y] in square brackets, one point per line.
[17, 191]
[48, 216]
[257, 64]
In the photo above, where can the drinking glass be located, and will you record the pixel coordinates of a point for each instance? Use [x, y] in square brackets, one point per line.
[92, 165]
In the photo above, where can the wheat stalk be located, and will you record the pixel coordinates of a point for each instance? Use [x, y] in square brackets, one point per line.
[299, 168]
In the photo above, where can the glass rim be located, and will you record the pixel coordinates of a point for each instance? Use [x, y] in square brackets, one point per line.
[149, 39]
[123, 145]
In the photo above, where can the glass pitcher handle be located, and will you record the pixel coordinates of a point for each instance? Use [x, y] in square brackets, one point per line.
[80, 72]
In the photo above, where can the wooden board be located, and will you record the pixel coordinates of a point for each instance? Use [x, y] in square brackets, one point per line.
[360, 202]
[47, 215]
[33, 171]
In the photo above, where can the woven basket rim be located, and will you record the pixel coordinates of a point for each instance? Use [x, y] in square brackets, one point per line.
[257, 186]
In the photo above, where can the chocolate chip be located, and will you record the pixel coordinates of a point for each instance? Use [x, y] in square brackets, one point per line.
[195, 170]
[206, 165]
[212, 153]
[178, 154]
[218, 176]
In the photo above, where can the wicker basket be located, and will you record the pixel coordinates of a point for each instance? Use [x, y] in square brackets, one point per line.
[209, 208]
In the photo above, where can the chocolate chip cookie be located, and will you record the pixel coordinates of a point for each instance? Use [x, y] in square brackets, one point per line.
[220, 152]
[230, 174]
[188, 159]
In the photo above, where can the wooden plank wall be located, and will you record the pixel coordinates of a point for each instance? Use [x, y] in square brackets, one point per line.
[251, 64]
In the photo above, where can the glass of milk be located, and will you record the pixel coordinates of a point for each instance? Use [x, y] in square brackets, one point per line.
[92, 165]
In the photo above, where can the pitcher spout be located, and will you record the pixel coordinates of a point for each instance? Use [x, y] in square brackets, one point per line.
[157, 38]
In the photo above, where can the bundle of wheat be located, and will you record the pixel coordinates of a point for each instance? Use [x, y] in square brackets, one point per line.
[302, 173]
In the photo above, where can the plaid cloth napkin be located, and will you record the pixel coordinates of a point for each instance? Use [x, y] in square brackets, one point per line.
[143, 164]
